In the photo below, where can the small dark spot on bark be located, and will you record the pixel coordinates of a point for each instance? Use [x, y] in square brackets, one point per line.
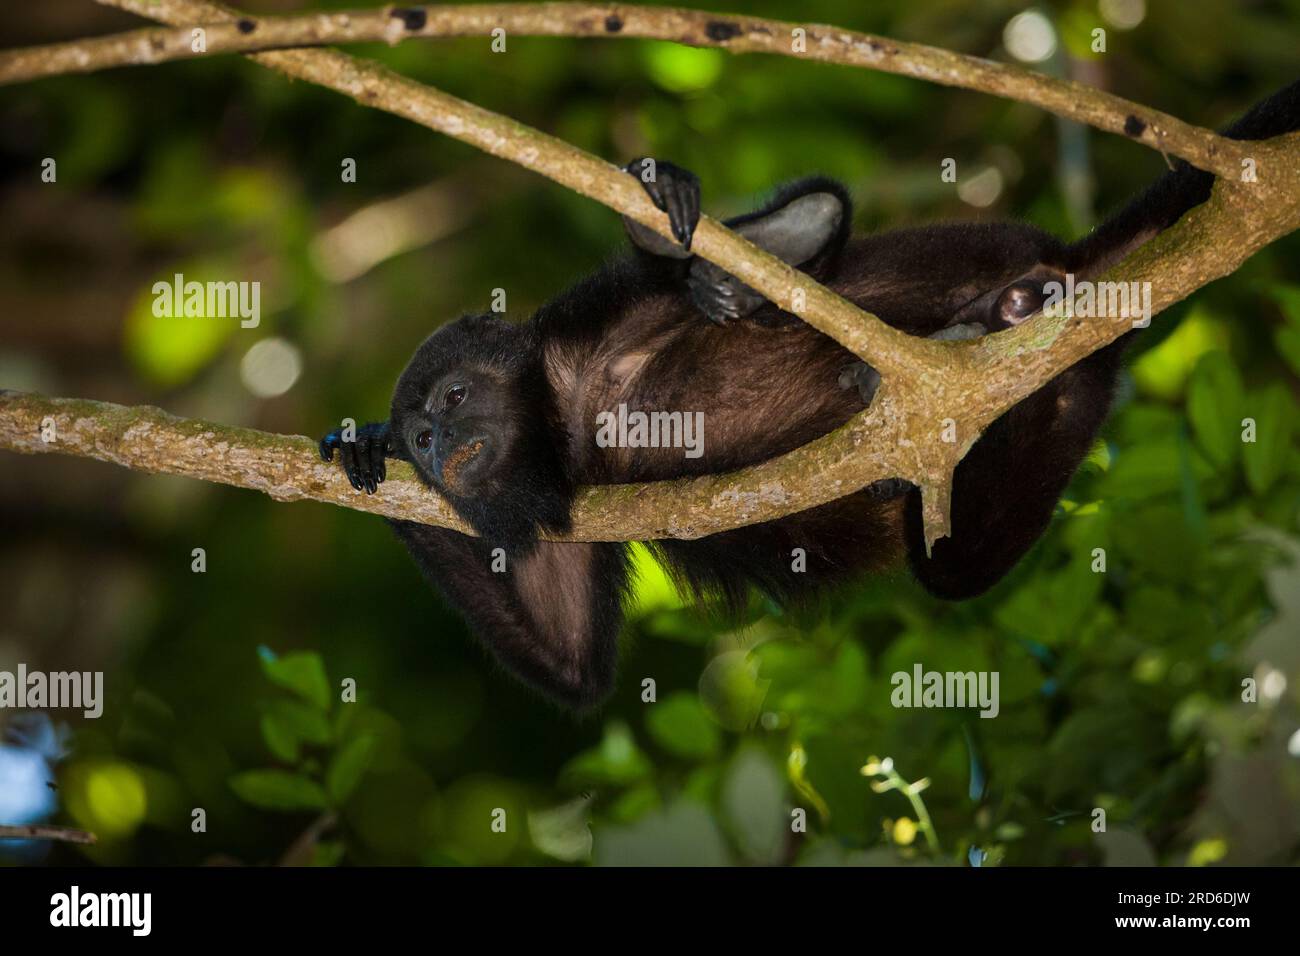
[613, 24]
[246, 25]
[415, 19]
[720, 31]
[1134, 127]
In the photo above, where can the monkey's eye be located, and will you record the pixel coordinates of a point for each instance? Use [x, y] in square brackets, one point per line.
[455, 395]
[423, 440]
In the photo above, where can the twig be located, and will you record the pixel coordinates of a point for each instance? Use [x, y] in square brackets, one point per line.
[40, 831]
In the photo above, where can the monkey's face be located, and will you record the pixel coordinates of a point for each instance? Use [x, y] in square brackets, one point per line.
[460, 409]
[462, 431]
[472, 410]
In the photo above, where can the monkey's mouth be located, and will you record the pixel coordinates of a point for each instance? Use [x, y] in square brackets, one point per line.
[462, 464]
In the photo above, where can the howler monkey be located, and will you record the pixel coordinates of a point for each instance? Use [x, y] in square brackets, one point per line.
[502, 418]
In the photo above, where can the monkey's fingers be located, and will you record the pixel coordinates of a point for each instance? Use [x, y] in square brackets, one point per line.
[378, 456]
[637, 168]
[364, 466]
[348, 458]
[692, 214]
[327, 446]
[674, 191]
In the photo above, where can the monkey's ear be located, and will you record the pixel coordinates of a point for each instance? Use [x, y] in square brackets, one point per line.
[805, 220]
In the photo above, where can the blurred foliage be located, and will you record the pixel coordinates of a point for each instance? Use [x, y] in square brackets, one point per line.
[772, 742]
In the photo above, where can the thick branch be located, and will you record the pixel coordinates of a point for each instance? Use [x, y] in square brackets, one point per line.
[288, 469]
[737, 34]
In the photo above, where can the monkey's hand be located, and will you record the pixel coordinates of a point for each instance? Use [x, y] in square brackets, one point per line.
[673, 190]
[363, 457]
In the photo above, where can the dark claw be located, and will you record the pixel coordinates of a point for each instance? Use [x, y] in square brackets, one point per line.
[675, 191]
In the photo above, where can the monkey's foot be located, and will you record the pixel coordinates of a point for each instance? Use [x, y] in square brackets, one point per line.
[720, 295]
[362, 457]
[673, 190]
[864, 378]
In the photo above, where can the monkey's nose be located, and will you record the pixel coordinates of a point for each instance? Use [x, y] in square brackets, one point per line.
[457, 459]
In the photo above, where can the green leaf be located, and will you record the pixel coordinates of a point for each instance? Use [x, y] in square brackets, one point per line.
[1287, 297]
[328, 853]
[293, 718]
[681, 726]
[280, 739]
[278, 790]
[617, 761]
[1149, 471]
[753, 799]
[563, 832]
[682, 834]
[1214, 405]
[732, 691]
[1273, 412]
[1288, 344]
[348, 767]
[302, 672]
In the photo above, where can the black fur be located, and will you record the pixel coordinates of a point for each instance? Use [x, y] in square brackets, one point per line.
[501, 418]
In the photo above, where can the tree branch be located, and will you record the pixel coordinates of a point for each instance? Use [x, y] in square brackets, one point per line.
[41, 831]
[736, 34]
[900, 434]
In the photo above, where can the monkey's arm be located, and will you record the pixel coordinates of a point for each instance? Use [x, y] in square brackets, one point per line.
[551, 616]
[363, 457]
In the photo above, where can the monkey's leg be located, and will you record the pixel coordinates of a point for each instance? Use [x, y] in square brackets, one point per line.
[805, 224]
[364, 457]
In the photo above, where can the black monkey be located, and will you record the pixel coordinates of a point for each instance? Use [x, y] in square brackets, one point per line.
[500, 418]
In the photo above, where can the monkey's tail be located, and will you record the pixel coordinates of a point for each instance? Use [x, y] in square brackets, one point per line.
[1164, 202]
